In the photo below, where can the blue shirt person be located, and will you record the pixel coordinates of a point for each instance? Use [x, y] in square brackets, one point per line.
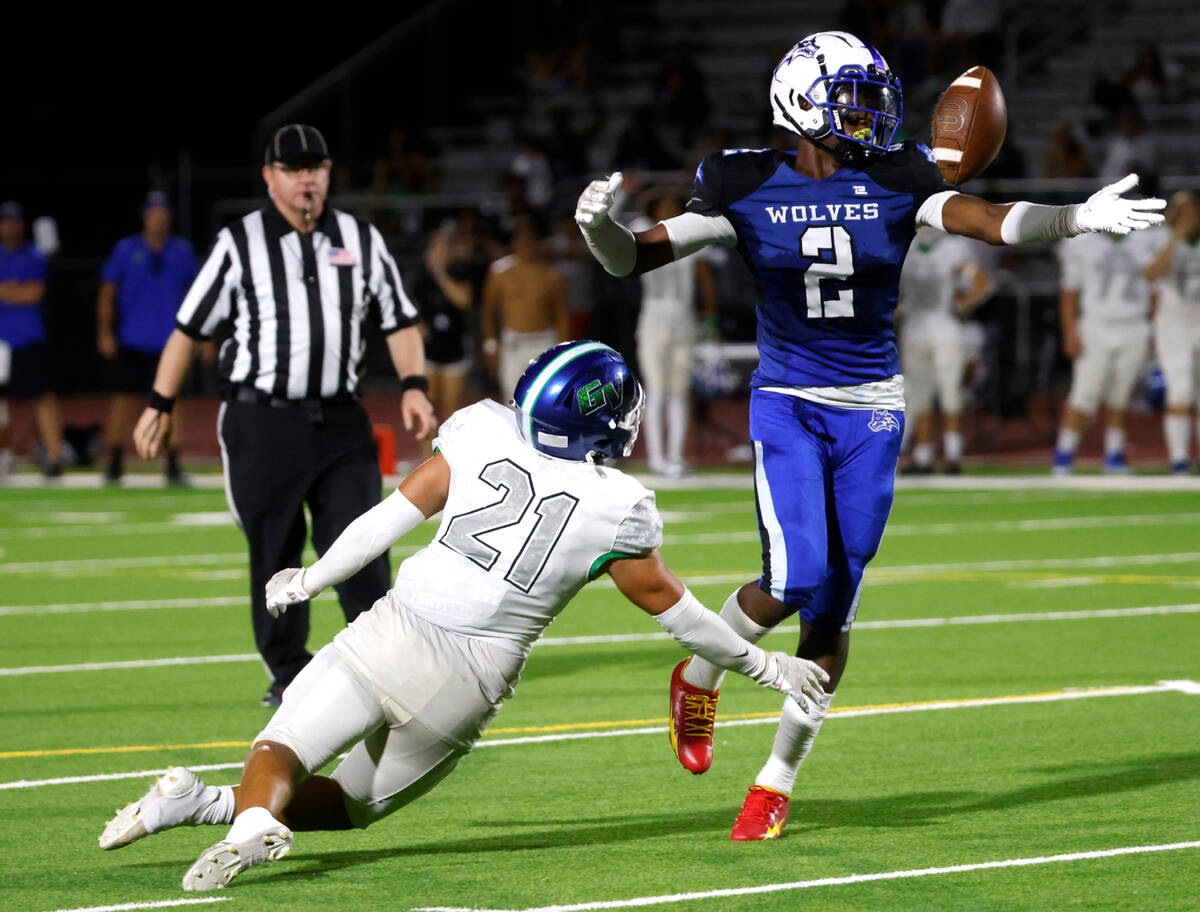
[23, 338]
[142, 284]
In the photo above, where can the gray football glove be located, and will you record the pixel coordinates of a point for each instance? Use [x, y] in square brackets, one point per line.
[286, 588]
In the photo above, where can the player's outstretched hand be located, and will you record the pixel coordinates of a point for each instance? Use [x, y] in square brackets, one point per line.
[795, 676]
[596, 200]
[1107, 210]
[152, 430]
[286, 588]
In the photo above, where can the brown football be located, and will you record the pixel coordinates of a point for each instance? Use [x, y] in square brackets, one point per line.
[969, 123]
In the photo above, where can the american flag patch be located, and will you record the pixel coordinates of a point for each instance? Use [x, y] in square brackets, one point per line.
[340, 256]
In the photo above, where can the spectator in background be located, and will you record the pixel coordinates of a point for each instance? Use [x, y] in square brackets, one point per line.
[518, 207]
[524, 308]
[1130, 149]
[681, 94]
[1149, 80]
[640, 147]
[1065, 155]
[532, 166]
[575, 264]
[666, 334]
[445, 295]
[23, 340]
[142, 284]
[405, 170]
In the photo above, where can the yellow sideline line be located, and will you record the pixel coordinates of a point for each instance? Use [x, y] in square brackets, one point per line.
[528, 729]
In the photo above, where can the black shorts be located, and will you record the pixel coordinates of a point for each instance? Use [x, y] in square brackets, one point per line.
[27, 379]
[132, 371]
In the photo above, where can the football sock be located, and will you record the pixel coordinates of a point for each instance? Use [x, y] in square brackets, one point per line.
[677, 417]
[952, 443]
[1176, 430]
[250, 823]
[923, 454]
[652, 429]
[797, 729]
[116, 461]
[173, 461]
[1114, 441]
[704, 674]
[1068, 441]
[218, 806]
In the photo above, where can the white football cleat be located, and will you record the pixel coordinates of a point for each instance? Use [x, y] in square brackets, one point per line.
[173, 799]
[221, 863]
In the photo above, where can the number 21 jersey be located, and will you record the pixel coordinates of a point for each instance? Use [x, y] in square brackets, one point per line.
[826, 255]
[521, 532]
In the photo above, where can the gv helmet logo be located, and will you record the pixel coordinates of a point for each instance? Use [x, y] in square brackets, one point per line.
[593, 396]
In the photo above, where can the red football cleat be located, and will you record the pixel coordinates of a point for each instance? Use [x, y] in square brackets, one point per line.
[763, 814]
[693, 712]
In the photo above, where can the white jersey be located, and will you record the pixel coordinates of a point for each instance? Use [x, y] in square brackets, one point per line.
[669, 292]
[1179, 289]
[1107, 273]
[521, 532]
[937, 267]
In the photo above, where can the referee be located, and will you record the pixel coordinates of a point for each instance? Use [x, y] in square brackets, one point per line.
[295, 281]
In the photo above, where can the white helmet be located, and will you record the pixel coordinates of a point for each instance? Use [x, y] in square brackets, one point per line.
[832, 83]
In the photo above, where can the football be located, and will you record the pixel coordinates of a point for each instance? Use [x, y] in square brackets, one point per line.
[970, 120]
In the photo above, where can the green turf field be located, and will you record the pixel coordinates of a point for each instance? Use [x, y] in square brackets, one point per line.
[1003, 703]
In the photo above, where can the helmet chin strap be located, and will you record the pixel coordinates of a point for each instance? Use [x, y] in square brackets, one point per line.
[845, 151]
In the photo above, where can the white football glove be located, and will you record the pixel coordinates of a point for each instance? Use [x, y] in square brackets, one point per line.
[1107, 210]
[793, 676]
[286, 588]
[596, 200]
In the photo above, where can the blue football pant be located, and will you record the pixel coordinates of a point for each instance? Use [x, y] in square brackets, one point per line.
[824, 482]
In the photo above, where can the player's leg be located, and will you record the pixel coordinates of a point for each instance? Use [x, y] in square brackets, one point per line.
[789, 484]
[679, 383]
[329, 705]
[949, 365]
[269, 508]
[1088, 375]
[1128, 353]
[348, 484]
[651, 363]
[1173, 345]
[919, 388]
[864, 456]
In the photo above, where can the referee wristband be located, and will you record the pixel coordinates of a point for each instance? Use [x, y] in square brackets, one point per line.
[414, 382]
[162, 404]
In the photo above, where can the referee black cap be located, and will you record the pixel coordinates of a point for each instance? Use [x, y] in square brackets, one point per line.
[296, 144]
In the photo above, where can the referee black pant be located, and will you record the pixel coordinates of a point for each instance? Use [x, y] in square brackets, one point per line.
[277, 458]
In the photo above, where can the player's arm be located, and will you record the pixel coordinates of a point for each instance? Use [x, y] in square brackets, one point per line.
[22, 292]
[1068, 315]
[489, 320]
[1028, 223]
[420, 495]
[979, 288]
[106, 312]
[648, 583]
[623, 253]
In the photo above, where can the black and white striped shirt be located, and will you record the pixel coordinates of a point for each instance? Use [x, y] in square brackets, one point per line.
[296, 302]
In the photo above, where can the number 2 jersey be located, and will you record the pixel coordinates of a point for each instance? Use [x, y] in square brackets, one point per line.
[826, 255]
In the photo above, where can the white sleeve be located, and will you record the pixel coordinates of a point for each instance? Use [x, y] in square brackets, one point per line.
[362, 541]
[1068, 256]
[641, 531]
[703, 632]
[692, 231]
[930, 212]
[209, 300]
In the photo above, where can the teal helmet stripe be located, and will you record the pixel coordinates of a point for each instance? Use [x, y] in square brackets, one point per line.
[548, 372]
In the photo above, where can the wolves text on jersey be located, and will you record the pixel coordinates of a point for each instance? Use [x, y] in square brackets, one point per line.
[824, 212]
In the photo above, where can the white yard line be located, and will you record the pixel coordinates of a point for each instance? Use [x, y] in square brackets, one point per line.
[893, 624]
[833, 881]
[140, 605]
[161, 904]
[1184, 686]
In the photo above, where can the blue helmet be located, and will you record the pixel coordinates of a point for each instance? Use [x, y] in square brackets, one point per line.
[578, 400]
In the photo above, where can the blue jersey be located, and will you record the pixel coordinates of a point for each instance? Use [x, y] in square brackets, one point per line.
[150, 285]
[21, 324]
[826, 255]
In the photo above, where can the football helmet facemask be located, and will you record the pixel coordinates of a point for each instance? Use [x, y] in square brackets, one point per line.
[834, 84]
[579, 401]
